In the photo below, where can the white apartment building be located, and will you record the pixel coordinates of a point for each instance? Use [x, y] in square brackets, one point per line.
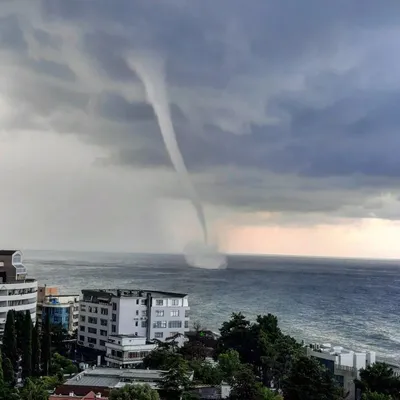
[344, 364]
[16, 291]
[142, 313]
[124, 351]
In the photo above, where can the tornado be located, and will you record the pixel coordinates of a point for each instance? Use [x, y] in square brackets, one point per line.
[151, 73]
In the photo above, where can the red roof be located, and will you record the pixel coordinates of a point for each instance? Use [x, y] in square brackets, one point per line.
[89, 396]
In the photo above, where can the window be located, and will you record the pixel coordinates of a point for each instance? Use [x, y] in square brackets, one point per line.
[136, 323]
[160, 324]
[82, 338]
[104, 311]
[93, 309]
[187, 313]
[114, 306]
[144, 302]
[83, 307]
[144, 313]
[137, 312]
[92, 330]
[92, 320]
[83, 318]
[102, 343]
[113, 328]
[159, 302]
[103, 322]
[82, 328]
[92, 340]
[159, 313]
[175, 313]
[114, 317]
[137, 301]
[103, 332]
[175, 302]
[158, 335]
[144, 324]
[175, 324]
[186, 324]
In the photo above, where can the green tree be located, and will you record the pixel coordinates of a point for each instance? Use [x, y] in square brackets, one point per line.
[134, 392]
[61, 364]
[36, 356]
[376, 396]
[176, 380]
[34, 391]
[160, 358]
[59, 337]
[379, 378]
[27, 346]
[204, 372]
[46, 346]
[229, 364]
[235, 335]
[309, 380]
[8, 372]
[19, 318]
[10, 340]
[246, 386]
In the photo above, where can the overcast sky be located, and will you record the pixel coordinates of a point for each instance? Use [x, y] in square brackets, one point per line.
[286, 113]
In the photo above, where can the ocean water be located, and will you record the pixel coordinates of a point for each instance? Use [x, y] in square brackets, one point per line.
[353, 303]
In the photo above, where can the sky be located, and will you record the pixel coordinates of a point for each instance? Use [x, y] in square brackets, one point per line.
[286, 114]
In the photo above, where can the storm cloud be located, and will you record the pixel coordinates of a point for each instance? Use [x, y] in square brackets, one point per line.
[278, 106]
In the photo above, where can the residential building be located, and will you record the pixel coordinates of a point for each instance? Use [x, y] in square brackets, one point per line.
[103, 380]
[17, 292]
[345, 365]
[142, 313]
[124, 351]
[62, 309]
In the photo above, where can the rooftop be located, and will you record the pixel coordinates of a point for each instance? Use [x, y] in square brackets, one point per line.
[7, 252]
[109, 293]
[111, 377]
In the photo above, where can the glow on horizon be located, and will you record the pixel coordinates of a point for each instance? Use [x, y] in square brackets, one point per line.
[365, 238]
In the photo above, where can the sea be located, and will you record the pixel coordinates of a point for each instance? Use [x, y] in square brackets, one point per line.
[348, 302]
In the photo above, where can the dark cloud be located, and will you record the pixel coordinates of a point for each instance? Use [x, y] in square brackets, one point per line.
[303, 91]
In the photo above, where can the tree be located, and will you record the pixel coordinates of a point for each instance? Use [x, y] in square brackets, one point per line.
[235, 335]
[309, 380]
[62, 364]
[34, 391]
[379, 378]
[160, 358]
[176, 380]
[8, 372]
[59, 336]
[36, 354]
[134, 392]
[246, 386]
[229, 364]
[10, 340]
[375, 396]
[19, 318]
[46, 346]
[204, 372]
[27, 346]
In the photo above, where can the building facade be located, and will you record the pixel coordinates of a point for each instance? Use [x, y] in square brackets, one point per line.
[17, 292]
[148, 314]
[125, 351]
[345, 365]
[61, 309]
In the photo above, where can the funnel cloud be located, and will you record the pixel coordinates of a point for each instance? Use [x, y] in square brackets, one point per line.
[150, 71]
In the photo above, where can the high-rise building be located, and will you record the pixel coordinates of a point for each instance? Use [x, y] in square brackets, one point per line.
[17, 292]
[61, 309]
[142, 313]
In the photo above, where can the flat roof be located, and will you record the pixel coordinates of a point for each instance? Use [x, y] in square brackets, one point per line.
[130, 293]
[7, 252]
